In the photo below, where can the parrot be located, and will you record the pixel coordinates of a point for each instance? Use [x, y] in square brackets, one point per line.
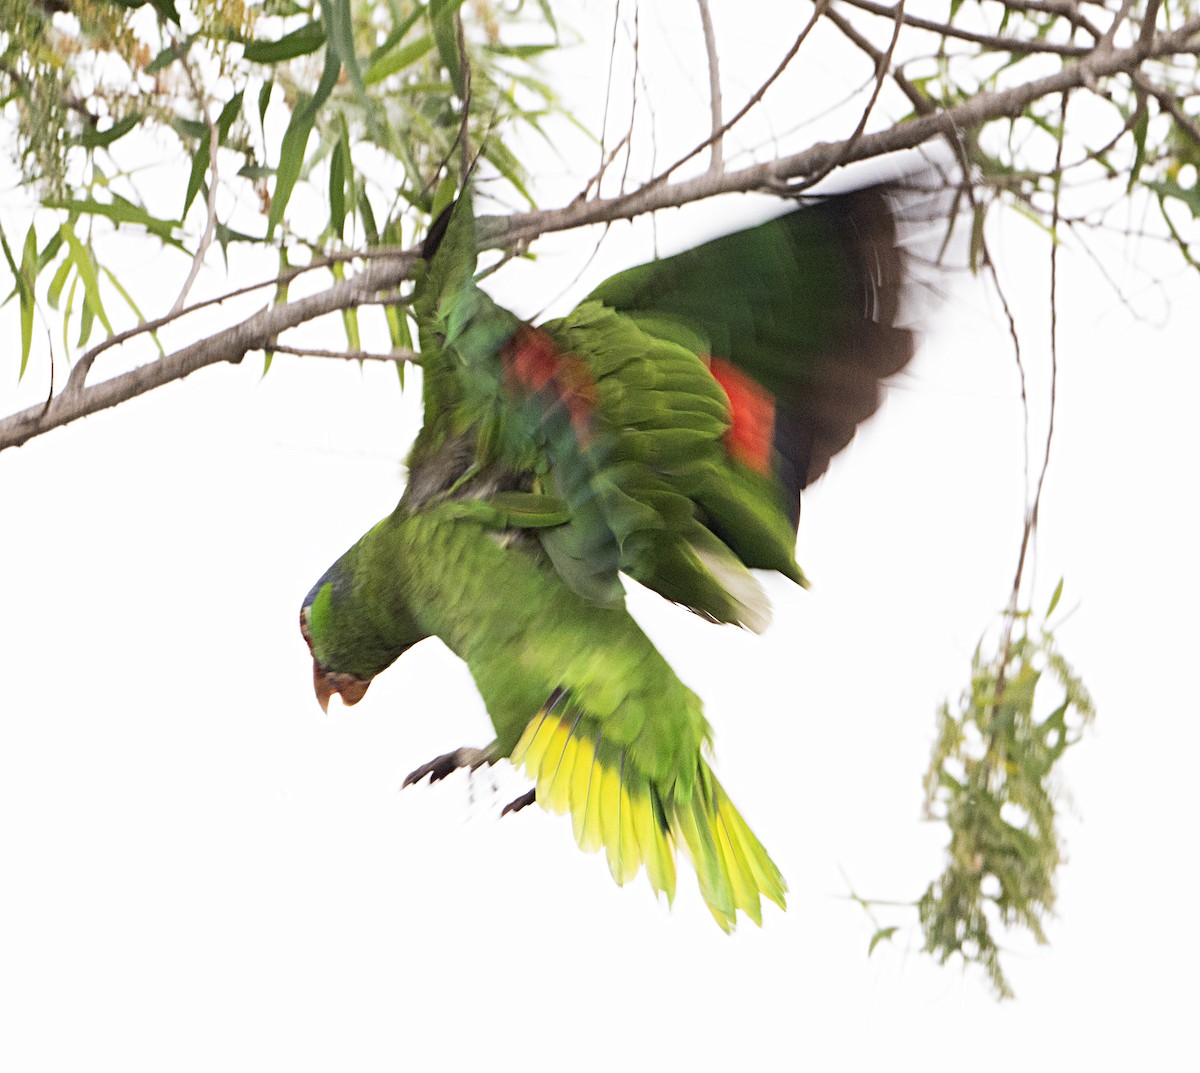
[663, 429]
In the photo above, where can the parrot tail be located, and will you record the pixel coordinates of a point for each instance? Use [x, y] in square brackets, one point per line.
[614, 805]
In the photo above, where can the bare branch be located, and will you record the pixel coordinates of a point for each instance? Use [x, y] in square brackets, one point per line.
[384, 275]
[717, 163]
[396, 357]
[980, 109]
[210, 224]
[757, 96]
[882, 67]
[922, 105]
[257, 332]
[992, 42]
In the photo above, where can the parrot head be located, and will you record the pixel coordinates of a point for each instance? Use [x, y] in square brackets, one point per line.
[351, 640]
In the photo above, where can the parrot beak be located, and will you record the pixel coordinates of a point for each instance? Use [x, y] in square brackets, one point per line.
[327, 683]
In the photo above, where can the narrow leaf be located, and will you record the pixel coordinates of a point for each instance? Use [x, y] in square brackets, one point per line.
[341, 40]
[120, 211]
[86, 267]
[301, 42]
[295, 140]
[880, 936]
[442, 23]
[94, 139]
[1055, 598]
[394, 62]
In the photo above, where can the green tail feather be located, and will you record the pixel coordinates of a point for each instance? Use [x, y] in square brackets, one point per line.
[614, 806]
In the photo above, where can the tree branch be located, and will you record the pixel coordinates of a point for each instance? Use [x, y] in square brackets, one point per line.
[980, 109]
[992, 42]
[257, 332]
[261, 329]
[397, 356]
[717, 149]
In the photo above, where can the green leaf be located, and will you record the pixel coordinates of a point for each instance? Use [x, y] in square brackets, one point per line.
[120, 211]
[1190, 197]
[368, 215]
[190, 128]
[337, 187]
[87, 319]
[401, 336]
[1141, 124]
[882, 935]
[521, 52]
[281, 293]
[25, 278]
[54, 292]
[391, 63]
[29, 266]
[404, 23]
[548, 15]
[264, 99]
[446, 190]
[50, 250]
[341, 40]
[1055, 598]
[301, 42]
[202, 159]
[349, 316]
[94, 139]
[295, 140]
[165, 58]
[442, 22]
[93, 304]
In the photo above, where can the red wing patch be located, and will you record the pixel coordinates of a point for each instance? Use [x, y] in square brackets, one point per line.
[751, 436]
[534, 365]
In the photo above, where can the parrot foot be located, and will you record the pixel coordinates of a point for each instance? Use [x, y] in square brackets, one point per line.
[527, 798]
[446, 764]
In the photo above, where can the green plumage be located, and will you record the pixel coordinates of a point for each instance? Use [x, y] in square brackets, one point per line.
[663, 429]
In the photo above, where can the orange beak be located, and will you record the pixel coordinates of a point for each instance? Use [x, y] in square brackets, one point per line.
[327, 683]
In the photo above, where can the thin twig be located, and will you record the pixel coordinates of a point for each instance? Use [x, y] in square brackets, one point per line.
[257, 332]
[757, 96]
[922, 105]
[882, 70]
[210, 224]
[1169, 104]
[989, 41]
[387, 273]
[398, 355]
[717, 162]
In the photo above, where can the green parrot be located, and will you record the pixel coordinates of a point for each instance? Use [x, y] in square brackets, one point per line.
[663, 429]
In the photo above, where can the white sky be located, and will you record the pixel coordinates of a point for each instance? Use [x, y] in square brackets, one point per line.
[201, 871]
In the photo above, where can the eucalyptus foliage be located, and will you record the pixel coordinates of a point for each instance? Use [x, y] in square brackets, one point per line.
[992, 782]
[335, 94]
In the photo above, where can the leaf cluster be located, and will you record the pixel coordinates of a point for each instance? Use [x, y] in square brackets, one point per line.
[376, 107]
[991, 780]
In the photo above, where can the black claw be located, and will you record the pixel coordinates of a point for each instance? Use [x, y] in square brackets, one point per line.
[525, 799]
[437, 768]
[446, 764]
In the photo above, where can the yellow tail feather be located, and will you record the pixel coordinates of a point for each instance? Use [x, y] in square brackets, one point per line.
[614, 805]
